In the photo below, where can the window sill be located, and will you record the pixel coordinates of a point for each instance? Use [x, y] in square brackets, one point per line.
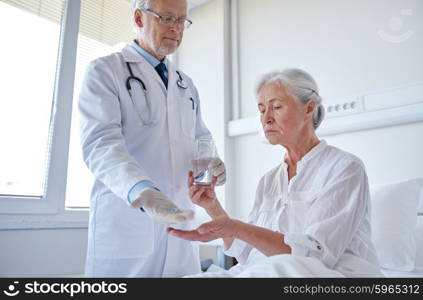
[40, 225]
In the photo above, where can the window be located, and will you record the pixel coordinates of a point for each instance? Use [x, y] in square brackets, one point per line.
[105, 27]
[48, 45]
[28, 67]
[41, 39]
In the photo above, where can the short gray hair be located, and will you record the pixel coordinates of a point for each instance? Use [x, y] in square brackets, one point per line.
[138, 4]
[300, 85]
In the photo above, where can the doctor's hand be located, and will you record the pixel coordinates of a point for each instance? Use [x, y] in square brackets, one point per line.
[218, 169]
[221, 227]
[160, 208]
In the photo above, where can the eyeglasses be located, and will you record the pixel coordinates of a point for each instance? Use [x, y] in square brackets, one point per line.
[169, 20]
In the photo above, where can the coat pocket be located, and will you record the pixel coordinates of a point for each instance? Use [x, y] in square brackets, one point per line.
[188, 116]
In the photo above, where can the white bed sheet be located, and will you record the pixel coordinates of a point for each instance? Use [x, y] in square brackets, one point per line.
[418, 271]
[400, 274]
[286, 265]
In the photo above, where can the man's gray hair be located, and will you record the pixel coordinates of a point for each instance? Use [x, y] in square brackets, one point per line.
[300, 85]
[138, 4]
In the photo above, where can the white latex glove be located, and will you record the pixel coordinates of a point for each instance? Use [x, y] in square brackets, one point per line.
[160, 208]
[217, 166]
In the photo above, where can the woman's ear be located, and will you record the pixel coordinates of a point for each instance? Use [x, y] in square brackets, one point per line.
[310, 107]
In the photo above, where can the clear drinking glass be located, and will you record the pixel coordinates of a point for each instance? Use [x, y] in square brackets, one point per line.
[204, 151]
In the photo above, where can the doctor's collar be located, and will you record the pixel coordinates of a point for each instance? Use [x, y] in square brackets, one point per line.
[148, 56]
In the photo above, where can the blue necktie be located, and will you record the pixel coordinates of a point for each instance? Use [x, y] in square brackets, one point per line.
[161, 69]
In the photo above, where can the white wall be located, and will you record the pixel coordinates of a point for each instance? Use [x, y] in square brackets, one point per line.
[342, 44]
[337, 41]
[42, 252]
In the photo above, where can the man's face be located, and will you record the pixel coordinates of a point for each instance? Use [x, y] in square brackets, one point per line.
[162, 39]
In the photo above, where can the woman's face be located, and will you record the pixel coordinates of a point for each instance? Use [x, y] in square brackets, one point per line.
[284, 119]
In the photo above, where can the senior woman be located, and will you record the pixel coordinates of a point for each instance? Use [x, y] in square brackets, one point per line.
[313, 208]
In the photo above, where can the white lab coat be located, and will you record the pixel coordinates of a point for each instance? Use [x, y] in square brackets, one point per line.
[323, 212]
[121, 151]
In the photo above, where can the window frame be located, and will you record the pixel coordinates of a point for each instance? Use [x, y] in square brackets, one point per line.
[50, 210]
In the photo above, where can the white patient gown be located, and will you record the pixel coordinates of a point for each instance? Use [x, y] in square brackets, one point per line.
[324, 214]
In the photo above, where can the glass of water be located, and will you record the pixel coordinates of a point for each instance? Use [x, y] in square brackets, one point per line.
[204, 151]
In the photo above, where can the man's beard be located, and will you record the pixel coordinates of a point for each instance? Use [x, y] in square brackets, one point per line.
[164, 51]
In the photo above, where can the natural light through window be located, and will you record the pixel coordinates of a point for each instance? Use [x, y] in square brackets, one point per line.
[28, 65]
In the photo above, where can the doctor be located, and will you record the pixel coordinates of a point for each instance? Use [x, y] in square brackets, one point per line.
[139, 119]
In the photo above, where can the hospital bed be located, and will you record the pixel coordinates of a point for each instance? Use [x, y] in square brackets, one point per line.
[397, 234]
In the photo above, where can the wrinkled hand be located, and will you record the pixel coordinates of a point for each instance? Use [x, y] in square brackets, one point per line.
[203, 196]
[160, 208]
[217, 166]
[221, 227]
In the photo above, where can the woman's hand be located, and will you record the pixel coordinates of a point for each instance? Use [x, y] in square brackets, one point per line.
[221, 227]
[203, 196]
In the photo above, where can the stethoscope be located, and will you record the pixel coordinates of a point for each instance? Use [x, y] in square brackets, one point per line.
[180, 82]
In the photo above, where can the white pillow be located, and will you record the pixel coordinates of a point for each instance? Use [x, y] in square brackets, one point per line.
[394, 218]
[419, 243]
[421, 203]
